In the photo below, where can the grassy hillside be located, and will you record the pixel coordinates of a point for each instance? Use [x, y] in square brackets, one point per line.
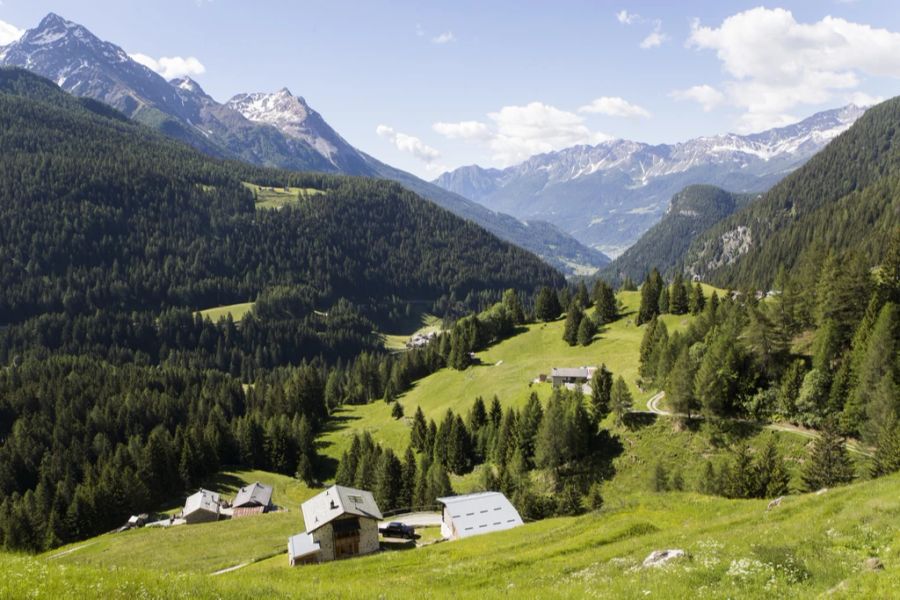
[237, 311]
[507, 370]
[809, 546]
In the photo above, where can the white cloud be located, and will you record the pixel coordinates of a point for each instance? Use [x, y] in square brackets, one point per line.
[614, 106]
[171, 67]
[707, 96]
[464, 130]
[656, 37]
[519, 132]
[409, 144]
[9, 33]
[864, 99]
[626, 18]
[444, 38]
[776, 63]
[419, 31]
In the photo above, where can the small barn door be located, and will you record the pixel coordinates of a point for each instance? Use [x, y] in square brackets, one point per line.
[346, 538]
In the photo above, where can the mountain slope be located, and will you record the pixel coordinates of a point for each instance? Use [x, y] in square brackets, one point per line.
[846, 197]
[811, 545]
[109, 214]
[275, 130]
[691, 212]
[609, 194]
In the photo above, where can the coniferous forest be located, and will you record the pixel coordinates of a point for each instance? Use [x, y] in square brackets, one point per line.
[115, 394]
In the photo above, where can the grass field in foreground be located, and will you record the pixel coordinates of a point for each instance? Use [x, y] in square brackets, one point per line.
[809, 546]
[507, 370]
[237, 311]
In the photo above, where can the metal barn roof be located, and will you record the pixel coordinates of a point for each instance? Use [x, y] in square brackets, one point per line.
[255, 494]
[484, 512]
[583, 372]
[301, 545]
[336, 501]
[202, 500]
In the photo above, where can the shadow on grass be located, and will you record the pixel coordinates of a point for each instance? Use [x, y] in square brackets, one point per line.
[639, 420]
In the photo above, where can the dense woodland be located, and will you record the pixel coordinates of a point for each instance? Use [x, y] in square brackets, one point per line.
[846, 197]
[115, 395]
[822, 350]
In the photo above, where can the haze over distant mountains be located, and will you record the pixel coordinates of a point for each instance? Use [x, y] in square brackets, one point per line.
[607, 195]
[278, 129]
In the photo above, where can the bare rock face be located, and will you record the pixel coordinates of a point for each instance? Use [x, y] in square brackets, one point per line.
[661, 558]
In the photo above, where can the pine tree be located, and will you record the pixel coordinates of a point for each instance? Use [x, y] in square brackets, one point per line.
[650, 297]
[648, 344]
[876, 390]
[419, 431]
[550, 452]
[697, 300]
[586, 331]
[605, 306]
[388, 480]
[496, 412]
[574, 317]
[529, 424]
[601, 390]
[680, 385]
[621, 400]
[594, 497]
[829, 464]
[887, 452]
[772, 477]
[568, 502]
[305, 471]
[581, 295]
[478, 417]
[408, 485]
[397, 411]
[438, 484]
[709, 481]
[546, 306]
[678, 297]
[789, 390]
[740, 480]
[663, 300]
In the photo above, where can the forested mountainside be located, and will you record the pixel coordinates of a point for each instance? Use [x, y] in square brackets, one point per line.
[692, 211]
[115, 393]
[102, 214]
[272, 130]
[846, 197]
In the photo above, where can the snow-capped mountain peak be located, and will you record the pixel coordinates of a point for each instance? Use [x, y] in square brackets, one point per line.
[292, 116]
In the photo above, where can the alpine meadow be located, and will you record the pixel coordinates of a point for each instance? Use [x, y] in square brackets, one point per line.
[615, 313]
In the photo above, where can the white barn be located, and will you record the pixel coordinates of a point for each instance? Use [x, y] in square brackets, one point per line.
[474, 514]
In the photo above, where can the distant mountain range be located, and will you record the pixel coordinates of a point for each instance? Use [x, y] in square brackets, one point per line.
[607, 195]
[278, 129]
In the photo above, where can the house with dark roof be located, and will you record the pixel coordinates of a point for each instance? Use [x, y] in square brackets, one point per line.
[252, 499]
[475, 514]
[341, 522]
[202, 507]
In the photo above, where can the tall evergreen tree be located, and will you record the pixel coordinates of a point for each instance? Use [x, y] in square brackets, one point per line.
[697, 300]
[680, 385]
[621, 400]
[606, 308]
[419, 431]
[650, 297]
[586, 331]
[678, 297]
[829, 464]
[546, 305]
[574, 317]
[601, 390]
[664, 300]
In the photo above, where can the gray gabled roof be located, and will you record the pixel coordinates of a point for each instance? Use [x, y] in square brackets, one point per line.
[582, 372]
[202, 500]
[484, 512]
[337, 501]
[255, 494]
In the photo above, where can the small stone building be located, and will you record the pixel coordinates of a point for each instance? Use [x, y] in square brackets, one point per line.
[474, 514]
[343, 522]
[202, 507]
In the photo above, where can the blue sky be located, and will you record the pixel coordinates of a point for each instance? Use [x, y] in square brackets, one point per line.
[427, 86]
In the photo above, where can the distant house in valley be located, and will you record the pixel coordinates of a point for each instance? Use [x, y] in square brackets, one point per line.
[252, 499]
[343, 522]
[474, 514]
[202, 507]
[574, 376]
